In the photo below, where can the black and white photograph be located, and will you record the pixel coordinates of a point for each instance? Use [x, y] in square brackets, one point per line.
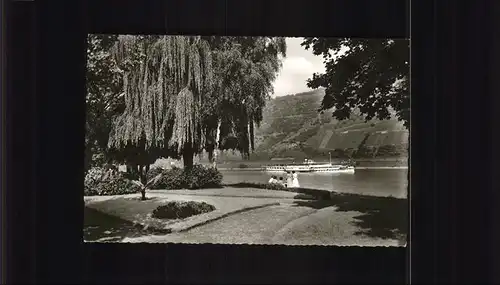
[247, 140]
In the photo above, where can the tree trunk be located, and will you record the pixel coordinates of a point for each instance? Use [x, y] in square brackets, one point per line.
[252, 136]
[216, 146]
[211, 155]
[142, 177]
[142, 174]
[188, 157]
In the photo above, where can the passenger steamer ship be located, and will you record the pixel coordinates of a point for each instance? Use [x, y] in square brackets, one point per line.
[311, 166]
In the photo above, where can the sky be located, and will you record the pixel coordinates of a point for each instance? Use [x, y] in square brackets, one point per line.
[298, 66]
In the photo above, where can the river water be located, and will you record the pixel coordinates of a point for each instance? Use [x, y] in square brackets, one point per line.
[377, 182]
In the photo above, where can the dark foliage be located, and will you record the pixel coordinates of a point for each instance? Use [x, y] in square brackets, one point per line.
[274, 186]
[100, 182]
[153, 172]
[372, 75]
[181, 210]
[170, 179]
[196, 177]
[131, 175]
[313, 193]
[270, 186]
[103, 100]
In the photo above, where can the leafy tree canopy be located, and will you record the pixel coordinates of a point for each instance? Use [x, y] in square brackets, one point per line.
[371, 76]
[103, 100]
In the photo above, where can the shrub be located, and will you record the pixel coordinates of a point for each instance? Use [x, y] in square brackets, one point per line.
[98, 182]
[270, 186]
[171, 179]
[98, 159]
[153, 172]
[181, 210]
[199, 177]
[274, 186]
[95, 173]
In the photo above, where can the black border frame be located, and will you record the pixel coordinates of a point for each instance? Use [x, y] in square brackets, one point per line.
[44, 218]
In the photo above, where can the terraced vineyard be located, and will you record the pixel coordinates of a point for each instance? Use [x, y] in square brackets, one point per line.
[292, 125]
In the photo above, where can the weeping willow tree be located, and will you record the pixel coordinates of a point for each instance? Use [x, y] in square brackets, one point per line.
[244, 71]
[164, 82]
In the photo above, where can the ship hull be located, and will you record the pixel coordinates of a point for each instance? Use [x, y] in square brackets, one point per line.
[348, 170]
[310, 169]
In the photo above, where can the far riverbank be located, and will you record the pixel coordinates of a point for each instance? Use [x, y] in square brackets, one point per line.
[362, 163]
[381, 163]
[357, 167]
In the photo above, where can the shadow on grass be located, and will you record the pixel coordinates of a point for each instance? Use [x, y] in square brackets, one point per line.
[381, 217]
[101, 227]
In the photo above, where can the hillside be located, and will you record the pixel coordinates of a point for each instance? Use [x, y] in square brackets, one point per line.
[293, 127]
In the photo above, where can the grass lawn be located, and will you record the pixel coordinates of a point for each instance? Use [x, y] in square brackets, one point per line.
[130, 208]
[134, 211]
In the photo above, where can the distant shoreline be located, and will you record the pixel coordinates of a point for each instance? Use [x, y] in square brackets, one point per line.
[360, 167]
[377, 163]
